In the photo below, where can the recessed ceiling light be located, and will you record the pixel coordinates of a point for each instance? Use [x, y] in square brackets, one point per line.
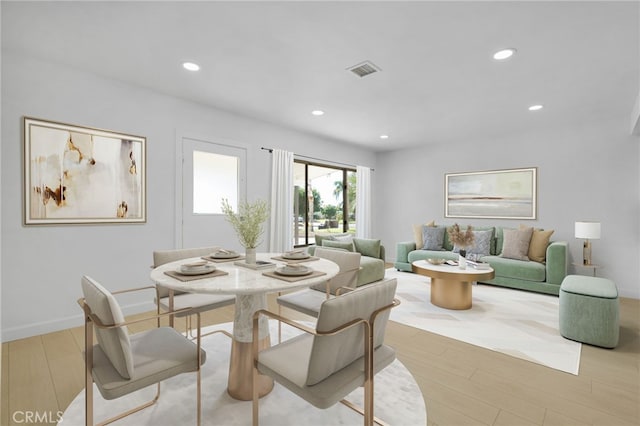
[384, 136]
[503, 54]
[535, 107]
[191, 66]
[317, 112]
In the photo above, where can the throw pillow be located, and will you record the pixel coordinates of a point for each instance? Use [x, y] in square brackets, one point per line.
[344, 238]
[321, 237]
[345, 245]
[417, 233]
[367, 247]
[538, 245]
[516, 243]
[481, 243]
[433, 237]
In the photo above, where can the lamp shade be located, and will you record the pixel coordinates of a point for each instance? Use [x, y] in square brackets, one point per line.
[588, 230]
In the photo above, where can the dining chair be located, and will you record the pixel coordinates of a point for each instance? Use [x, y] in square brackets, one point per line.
[308, 301]
[344, 351]
[120, 363]
[197, 302]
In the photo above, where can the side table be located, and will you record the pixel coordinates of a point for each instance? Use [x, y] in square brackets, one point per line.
[592, 267]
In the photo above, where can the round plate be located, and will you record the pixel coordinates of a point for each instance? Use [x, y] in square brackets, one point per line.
[298, 256]
[219, 255]
[293, 272]
[196, 271]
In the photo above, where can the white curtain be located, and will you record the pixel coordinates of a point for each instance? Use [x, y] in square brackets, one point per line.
[281, 231]
[363, 202]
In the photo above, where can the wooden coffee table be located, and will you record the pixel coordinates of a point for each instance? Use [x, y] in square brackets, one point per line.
[450, 285]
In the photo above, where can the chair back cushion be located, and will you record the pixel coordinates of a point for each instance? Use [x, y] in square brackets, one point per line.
[114, 342]
[349, 264]
[330, 354]
[160, 257]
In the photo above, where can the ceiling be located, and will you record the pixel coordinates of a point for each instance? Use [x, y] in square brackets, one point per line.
[278, 61]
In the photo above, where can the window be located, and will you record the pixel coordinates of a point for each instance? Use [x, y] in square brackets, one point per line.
[215, 176]
[324, 201]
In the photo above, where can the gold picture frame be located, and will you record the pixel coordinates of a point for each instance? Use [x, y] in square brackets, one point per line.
[495, 194]
[82, 175]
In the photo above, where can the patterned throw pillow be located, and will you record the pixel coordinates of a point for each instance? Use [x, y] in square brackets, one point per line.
[481, 243]
[516, 243]
[417, 233]
[432, 237]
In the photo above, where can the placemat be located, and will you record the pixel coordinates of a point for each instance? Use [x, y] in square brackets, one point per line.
[185, 278]
[291, 279]
[216, 260]
[284, 259]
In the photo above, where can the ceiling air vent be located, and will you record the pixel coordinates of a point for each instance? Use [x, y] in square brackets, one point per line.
[364, 69]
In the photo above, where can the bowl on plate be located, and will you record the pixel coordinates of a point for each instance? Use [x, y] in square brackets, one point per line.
[296, 255]
[196, 268]
[294, 269]
[434, 261]
[224, 254]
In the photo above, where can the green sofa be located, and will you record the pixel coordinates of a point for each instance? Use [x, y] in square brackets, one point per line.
[372, 267]
[520, 274]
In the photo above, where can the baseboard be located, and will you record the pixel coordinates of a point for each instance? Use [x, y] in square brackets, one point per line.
[44, 327]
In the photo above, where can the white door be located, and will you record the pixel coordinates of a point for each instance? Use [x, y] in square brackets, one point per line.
[210, 171]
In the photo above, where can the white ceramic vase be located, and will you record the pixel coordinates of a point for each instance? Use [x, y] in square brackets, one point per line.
[462, 260]
[250, 256]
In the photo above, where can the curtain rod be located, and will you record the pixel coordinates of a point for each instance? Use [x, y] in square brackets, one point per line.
[317, 159]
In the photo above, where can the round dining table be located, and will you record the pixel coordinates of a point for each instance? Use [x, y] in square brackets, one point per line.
[250, 286]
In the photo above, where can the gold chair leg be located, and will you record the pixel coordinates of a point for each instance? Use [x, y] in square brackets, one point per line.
[133, 410]
[358, 409]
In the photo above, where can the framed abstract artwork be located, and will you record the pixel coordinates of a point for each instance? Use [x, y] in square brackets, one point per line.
[81, 175]
[497, 194]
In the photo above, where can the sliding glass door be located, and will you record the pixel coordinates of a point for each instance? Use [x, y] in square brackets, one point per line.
[324, 201]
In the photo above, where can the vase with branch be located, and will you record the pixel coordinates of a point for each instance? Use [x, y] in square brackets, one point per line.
[248, 223]
[463, 240]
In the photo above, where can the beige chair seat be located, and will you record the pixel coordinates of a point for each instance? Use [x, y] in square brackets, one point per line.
[158, 354]
[288, 366]
[308, 301]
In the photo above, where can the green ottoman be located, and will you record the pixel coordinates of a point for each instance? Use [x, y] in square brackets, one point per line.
[589, 311]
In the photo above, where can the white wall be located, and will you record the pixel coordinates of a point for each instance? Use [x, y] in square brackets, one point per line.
[42, 265]
[585, 173]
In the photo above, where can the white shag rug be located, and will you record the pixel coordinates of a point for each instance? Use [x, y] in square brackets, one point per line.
[398, 399]
[517, 323]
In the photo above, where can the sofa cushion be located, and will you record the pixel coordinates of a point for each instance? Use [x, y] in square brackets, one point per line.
[538, 245]
[371, 270]
[516, 243]
[367, 247]
[432, 237]
[517, 269]
[345, 245]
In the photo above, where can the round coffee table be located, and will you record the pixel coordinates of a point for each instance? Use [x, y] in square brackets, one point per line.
[450, 285]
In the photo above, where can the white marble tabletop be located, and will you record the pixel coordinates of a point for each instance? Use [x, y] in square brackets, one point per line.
[242, 280]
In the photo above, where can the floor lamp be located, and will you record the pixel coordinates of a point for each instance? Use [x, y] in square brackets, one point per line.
[588, 231]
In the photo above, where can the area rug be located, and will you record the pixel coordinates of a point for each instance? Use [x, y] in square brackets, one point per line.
[398, 399]
[517, 323]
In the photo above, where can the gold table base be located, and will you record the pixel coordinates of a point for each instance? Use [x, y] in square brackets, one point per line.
[241, 370]
[451, 294]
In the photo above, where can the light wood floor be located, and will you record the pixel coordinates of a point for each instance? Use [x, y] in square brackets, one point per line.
[462, 384]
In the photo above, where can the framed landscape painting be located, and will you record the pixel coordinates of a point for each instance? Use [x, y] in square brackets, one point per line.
[79, 175]
[498, 194]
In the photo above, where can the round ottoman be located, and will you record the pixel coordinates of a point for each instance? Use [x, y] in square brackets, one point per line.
[589, 311]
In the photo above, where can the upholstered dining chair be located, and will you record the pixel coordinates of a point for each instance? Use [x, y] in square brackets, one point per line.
[308, 301]
[120, 363]
[344, 351]
[197, 302]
